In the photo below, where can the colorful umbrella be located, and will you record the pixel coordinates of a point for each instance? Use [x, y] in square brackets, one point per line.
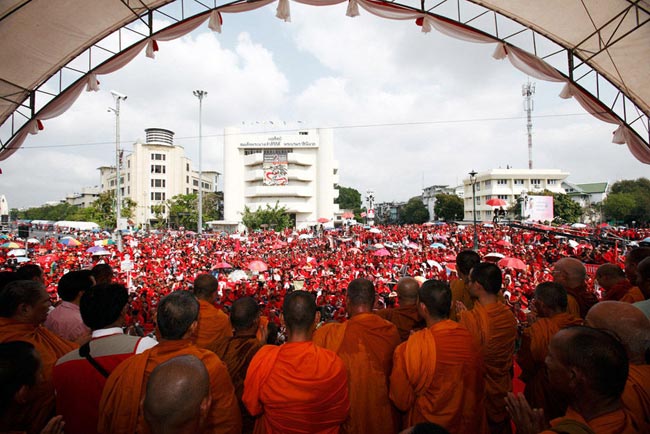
[381, 252]
[438, 246]
[514, 263]
[496, 202]
[105, 242]
[258, 266]
[222, 265]
[95, 249]
[11, 245]
[70, 242]
[4, 237]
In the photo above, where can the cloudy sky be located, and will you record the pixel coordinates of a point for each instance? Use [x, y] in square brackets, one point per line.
[408, 109]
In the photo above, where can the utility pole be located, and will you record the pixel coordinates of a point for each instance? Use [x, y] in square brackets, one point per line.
[118, 162]
[527, 91]
[200, 94]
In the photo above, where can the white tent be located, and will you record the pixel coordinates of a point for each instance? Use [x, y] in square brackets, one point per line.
[80, 226]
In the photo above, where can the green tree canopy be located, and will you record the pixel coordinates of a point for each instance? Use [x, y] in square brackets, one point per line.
[566, 209]
[349, 198]
[414, 212]
[183, 211]
[448, 207]
[629, 201]
[270, 217]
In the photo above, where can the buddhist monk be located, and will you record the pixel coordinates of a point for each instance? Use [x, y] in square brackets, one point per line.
[119, 408]
[571, 273]
[365, 343]
[643, 282]
[615, 285]
[405, 317]
[177, 399]
[549, 305]
[23, 309]
[632, 327]
[465, 261]
[438, 374]
[20, 371]
[590, 367]
[213, 322]
[632, 260]
[238, 350]
[298, 387]
[494, 328]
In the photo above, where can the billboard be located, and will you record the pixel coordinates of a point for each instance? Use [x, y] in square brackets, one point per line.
[275, 167]
[537, 208]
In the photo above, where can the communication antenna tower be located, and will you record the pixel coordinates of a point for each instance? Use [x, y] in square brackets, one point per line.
[527, 91]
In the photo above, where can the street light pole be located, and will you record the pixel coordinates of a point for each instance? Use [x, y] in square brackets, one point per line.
[472, 180]
[118, 162]
[200, 94]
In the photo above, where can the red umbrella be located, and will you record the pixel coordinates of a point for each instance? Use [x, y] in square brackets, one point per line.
[513, 263]
[348, 215]
[222, 264]
[496, 202]
[258, 266]
[323, 220]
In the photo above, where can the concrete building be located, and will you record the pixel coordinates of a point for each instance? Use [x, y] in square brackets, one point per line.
[508, 184]
[429, 196]
[84, 198]
[297, 170]
[154, 172]
[590, 197]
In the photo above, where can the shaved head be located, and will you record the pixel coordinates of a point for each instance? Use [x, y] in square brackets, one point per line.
[569, 272]
[626, 321]
[177, 396]
[205, 286]
[407, 291]
[299, 310]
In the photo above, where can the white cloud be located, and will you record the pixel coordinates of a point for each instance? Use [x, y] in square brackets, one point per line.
[409, 109]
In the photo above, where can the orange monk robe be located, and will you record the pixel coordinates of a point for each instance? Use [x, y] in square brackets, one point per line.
[365, 343]
[237, 352]
[213, 324]
[119, 408]
[494, 329]
[459, 292]
[530, 357]
[616, 422]
[405, 318]
[636, 396]
[34, 415]
[634, 295]
[438, 377]
[580, 300]
[295, 388]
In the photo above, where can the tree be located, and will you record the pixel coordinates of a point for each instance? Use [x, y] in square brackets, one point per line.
[273, 218]
[448, 207]
[618, 206]
[414, 212]
[183, 211]
[349, 198]
[566, 209]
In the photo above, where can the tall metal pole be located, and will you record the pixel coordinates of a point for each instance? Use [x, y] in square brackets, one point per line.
[118, 161]
[527, 91]
[200, 94]
[472, 179]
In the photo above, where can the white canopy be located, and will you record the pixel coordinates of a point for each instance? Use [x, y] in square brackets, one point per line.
[80, 226]
[53, 50]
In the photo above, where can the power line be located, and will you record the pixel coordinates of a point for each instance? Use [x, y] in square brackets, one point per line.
[335, 127]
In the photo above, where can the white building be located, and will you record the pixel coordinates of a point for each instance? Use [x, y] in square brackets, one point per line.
[296, 170]
[156, 171]
[429, 196]
[84, 198]
[508, 184]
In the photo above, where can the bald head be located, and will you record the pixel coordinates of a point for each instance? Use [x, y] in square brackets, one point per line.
[178, 396]
[407, 291]
[627, 322]
[643, 277]
[632, 260]
[569, 272]
[609, 275]
[550, 299]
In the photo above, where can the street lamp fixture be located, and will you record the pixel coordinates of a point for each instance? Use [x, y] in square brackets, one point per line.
[200, 94]
[472, 180]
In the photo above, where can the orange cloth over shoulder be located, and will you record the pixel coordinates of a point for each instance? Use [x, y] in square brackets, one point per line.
[213, 324]
[494, 329]
[297, 388]
[365, 343]
[634, 295]
[636, 396]
[438, 377]
[34, 415]
[530, 357]
[459, 292]
[119, 408]
[616, 422]
[405, 318]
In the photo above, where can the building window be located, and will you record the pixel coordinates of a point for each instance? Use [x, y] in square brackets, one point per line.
[187, 191]
[195, 182]
[502, 182]
[536, 181]
[552, 181]
[206, 185]
[252, 151]
[503, 196]
[157, 168]
[128, 164]
[187, 167]
[157, 195]
[187, 179]
[158, 157]
[158, 183]
[519, 182]
[478, 186]
[488, 183]
[302, 133]
[128, 190]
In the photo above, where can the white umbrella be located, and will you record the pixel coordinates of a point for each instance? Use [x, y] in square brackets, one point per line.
[305, 237]
[578, 225]
[17, 252]
[433, 263]
[33, 241]
[374, 231]
[237, 275]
